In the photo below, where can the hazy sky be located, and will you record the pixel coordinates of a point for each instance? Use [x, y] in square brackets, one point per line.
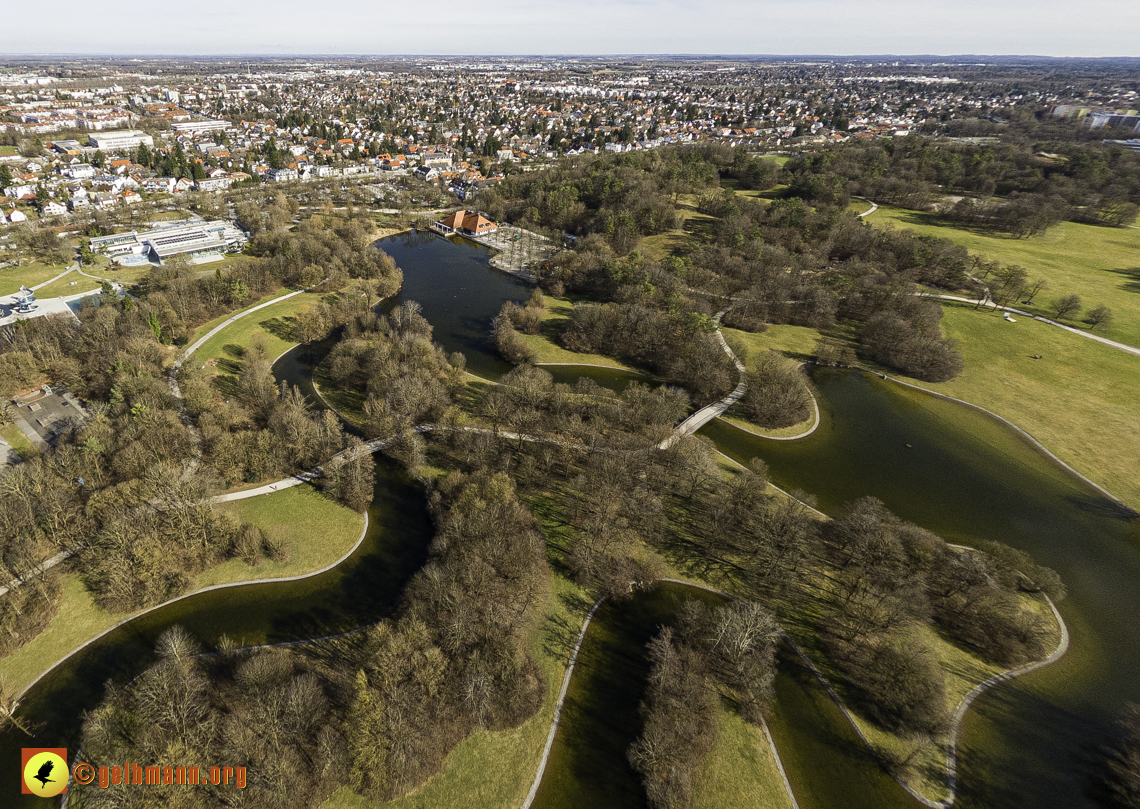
[1044, 27]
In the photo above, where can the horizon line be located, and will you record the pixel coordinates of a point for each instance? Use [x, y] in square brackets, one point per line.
[578, 55]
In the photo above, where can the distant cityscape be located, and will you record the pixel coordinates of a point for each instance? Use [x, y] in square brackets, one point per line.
[105, 135]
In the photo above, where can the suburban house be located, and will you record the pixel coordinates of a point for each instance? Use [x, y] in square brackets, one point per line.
[436, 159]
[466, 222]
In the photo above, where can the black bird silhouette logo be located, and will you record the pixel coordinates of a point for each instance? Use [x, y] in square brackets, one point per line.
[44, 772]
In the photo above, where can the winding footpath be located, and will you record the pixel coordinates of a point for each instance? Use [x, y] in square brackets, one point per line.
[53, 280]
[709, 412]
[874, 207]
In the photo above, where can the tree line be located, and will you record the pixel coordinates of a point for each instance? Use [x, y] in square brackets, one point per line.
[382, 709]
[1019, 186]
[715, 653]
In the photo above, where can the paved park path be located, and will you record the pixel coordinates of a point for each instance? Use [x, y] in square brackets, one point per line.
[874, 207]
[709, 412]
[1129, 349]
[53, 280]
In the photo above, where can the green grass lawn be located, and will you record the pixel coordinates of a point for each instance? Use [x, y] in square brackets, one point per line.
[206, 327]
[348, 403]
[29, 275]
[17, 440]
[554, 318]
[315, 530]
[65, 287]
[796, 343]
[964, 670]
[740, 770]
[275, 322]
[1082, 400]
[1100, 264]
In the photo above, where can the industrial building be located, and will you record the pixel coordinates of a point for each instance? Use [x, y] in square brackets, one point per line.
[119, 140]
[199, 127]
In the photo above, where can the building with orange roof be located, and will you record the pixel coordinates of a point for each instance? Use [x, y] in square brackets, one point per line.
[467, 222]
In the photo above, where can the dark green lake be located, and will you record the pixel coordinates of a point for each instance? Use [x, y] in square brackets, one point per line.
[459, 292]
[961, 474]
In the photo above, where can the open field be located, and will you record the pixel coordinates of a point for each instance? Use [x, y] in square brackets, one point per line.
[315, 530]
[220, 319]
[554, 317]
[275, 322]
[1100, 264]
[29, 275]
[1081, 400]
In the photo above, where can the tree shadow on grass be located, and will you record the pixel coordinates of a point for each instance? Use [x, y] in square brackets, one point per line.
[283, 328]
[561, 631]
[552, 328]
[230, 367]
[1130, 277]
[227, 385]
[926, 219]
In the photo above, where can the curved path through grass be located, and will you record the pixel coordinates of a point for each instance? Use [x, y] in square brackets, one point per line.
[1130, 349]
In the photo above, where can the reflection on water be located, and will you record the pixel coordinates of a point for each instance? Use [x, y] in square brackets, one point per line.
[459, 292]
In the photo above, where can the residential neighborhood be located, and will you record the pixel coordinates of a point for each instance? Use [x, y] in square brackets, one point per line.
[101, 136]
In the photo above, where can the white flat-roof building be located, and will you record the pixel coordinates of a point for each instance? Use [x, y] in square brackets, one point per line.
[119, 140]
[199, 127]
[199, 241]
